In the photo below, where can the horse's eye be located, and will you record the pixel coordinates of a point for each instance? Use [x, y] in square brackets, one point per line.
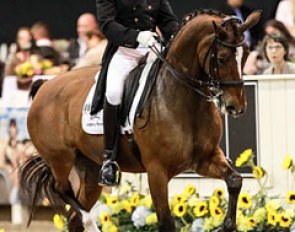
[222, 60]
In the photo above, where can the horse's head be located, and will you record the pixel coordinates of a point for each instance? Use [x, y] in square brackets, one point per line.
[209, 52]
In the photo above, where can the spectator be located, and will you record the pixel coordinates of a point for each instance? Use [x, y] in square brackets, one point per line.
[25, 46]
[41, 35]
[238, 8]
[276, 49]
[85, 23]
[96, 44]
[276, 27]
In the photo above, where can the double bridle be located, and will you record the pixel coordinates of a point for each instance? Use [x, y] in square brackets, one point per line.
[210, 80]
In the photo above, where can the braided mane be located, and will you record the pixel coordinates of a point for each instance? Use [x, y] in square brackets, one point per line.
[188, 17]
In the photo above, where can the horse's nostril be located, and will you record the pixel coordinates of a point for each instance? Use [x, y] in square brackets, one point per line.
[231, 109]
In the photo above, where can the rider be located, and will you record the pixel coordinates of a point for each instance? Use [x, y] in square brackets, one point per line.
[130, 27]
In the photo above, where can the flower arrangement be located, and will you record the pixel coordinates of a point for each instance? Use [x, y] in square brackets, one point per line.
[34, 65]
[129, 210]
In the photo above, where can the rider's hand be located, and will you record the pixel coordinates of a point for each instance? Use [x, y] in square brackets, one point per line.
[146, 38]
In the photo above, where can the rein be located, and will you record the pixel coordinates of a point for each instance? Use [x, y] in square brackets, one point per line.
[212, 82]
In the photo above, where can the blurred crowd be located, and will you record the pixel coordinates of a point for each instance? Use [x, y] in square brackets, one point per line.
[272, 51]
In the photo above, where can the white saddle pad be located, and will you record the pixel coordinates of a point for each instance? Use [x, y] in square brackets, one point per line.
[93, 124]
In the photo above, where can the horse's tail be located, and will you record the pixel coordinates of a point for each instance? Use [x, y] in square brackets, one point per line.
[35, 87]
[37, 184]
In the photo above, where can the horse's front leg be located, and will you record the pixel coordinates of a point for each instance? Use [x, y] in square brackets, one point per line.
[158, 183]
[233, 181]
[219, 167]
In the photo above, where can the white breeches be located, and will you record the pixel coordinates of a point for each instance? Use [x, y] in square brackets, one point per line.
[123, 61]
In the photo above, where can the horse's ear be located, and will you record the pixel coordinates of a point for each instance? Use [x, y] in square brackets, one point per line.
[251, 20]
[219, 30]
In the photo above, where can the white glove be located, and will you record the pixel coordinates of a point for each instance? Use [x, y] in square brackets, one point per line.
[146, 38]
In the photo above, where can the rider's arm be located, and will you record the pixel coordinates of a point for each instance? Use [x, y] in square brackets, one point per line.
[115, 32]
[166, 20]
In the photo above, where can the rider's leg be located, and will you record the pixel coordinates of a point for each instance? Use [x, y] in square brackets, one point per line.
[123, 61]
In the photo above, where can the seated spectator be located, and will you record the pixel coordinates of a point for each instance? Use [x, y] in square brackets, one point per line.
[41, 35]
[86, 22]
[96, 44]
[257, 62]
[276, 49]
[25, 48]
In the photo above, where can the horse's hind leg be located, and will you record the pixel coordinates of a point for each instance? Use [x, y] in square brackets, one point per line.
[89, 190]
[158, 183]
[218, 167]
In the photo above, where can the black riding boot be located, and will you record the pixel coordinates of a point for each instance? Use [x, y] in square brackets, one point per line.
[109, 169]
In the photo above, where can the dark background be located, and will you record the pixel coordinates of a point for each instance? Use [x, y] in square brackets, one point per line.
[61, 15]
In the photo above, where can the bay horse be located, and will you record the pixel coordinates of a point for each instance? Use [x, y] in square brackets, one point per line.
[200, 76]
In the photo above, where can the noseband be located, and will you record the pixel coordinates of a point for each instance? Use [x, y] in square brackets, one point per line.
[211, 80]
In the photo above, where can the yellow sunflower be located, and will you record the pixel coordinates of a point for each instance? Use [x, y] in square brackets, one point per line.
[58, 221]
[246, 223]
[200, 209]
[134, 200]
[178, 198]
[104, 218]
[290, 197]
[244, 157]
[127, 206]
[147, 201]
[214, 201]
[285, 220]
[109, 227]
[180, 209]
[216, 212]
[219, 192]
[112, 200]
[258, 172]
[287, 162]
[244, 200]
[189, 190]
[272, 218]
[151, 219]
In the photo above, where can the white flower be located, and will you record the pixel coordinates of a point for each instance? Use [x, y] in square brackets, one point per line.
[99, 208]
[197, 225]
[139, 215]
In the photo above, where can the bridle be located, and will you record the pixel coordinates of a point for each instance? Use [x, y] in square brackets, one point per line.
[210, 81]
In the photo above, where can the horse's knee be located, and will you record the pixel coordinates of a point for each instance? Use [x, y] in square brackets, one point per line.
[234, 182]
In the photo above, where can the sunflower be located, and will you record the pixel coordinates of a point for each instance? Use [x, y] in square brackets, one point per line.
[244, 200]
[214, 201]
[58, 221]
[127, 206]
[290, 197]
[147, 201]
[151, 219]
[200, 209]
[285, 220]
[272, 218]
[104, 218]
[180, 209]
[189, 190]
[112, 200]
[287, 162]
[134, 200]
[216, 212]
[244, 157]
[109, 227]
[178, 198]
[246, 223]
[219, 192]
[258, 172]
